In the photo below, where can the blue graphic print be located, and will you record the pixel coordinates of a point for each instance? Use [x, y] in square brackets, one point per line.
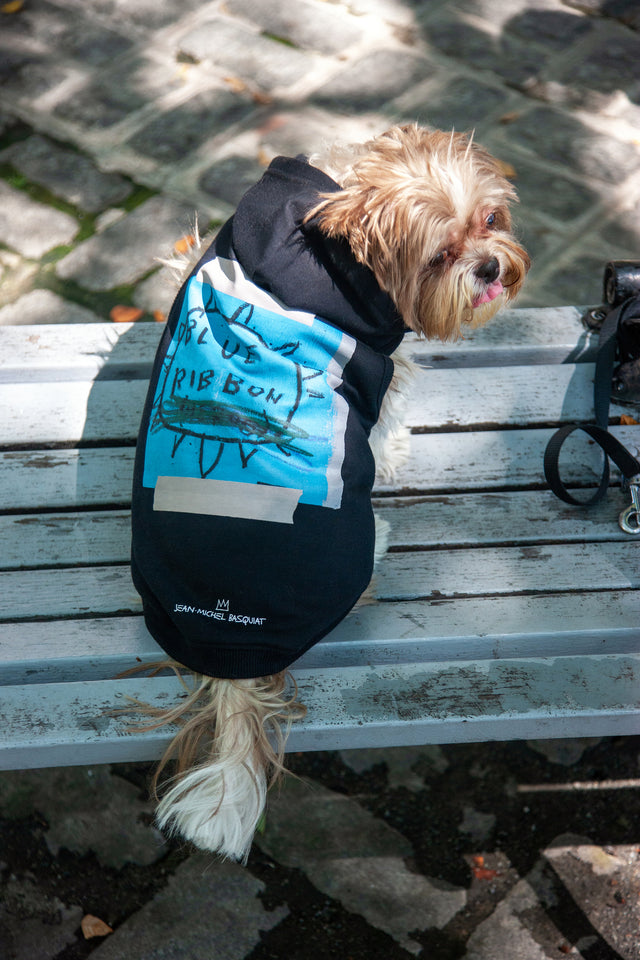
[249, 394]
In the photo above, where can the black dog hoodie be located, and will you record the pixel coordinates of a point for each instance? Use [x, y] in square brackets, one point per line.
[253, 533]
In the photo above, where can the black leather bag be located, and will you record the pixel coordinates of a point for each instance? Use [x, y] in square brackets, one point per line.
[618, 376]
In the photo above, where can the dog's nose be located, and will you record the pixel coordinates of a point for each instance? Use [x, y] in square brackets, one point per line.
[488, 271]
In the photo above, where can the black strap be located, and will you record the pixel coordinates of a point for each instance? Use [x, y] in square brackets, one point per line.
[612, 448]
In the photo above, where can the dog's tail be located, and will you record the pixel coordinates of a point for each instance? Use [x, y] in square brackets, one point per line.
[230, 749]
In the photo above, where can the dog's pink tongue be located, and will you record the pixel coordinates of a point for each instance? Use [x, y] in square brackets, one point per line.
[493, 290]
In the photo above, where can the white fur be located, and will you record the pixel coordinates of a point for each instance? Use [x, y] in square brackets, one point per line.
[216, 806]
[389, 438]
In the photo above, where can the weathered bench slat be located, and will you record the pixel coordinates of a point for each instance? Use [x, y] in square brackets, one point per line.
[110, 410]
[500, 570]
[523, 517]
[51, 724]
[402, 576]
[68, 592]
[125, 351]
[516, 517]
[482, 460]
[373, 633]
[438, 462]
[66, 478]
[65, 539]
[71, 412]
[465, 397]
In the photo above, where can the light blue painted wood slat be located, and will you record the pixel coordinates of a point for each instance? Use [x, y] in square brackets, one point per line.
[522, 517]
[508, 570]
[443, 461]
[432, 575]
[81, 351]
[374, 633]
[53, 724]
[110, 410]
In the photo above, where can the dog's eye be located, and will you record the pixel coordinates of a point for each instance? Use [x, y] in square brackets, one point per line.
[491, 219]
[439, 258]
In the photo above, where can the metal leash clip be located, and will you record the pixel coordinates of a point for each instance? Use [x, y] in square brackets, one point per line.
[629, 519]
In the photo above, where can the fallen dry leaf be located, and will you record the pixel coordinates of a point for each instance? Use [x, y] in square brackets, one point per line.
[13, 7]
[184, 244]
[94, 927]
[264, 99]
[159, 316]
[627, 421]
[507, 170]
[481, 873]
[124, 314]
[236, 84]
[478, 860]
[510, 116]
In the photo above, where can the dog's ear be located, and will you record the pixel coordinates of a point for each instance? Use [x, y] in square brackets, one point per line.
[341, 214]
[367, 218]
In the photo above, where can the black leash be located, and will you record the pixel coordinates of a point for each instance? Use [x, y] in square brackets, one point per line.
[628, 465]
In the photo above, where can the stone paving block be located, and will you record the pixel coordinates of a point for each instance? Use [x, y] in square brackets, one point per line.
[564, 752]
[99, 104]
[43, 306]
[327, 28]
[478, 46]
[32, 228]
[86, 808]
[48, 26]
[448, 103]
[242, 161]
[604, 882]
[540, 189]
[406, 766]
[25, 76]
[144, 14]
[124, 252]
[623, 229]
[626, 11]
[557, 29]
[246, 54]
[477, 825]
[310, 131]
[33, 925]
[609, 63]
[68, 174]
[35, 26]
[354, 857]
[208, 910]
[372, 80]
[16, 276]
[176, 134]
[580, 276]
[518, 929]
[230, 178]
[554, 136]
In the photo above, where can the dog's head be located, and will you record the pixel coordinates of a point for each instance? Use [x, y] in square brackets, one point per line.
[428, 213]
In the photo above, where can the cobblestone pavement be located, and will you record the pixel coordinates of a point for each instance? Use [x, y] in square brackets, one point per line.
[119, 122]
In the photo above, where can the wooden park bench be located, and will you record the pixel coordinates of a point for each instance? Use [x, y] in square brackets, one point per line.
[499, 613]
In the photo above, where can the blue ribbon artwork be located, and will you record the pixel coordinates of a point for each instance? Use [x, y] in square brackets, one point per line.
[247, 394]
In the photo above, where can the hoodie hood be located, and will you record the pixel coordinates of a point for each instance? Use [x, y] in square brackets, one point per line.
[300, 266]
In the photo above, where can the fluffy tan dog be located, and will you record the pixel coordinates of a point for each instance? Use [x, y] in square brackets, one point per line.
[413, 231]
[428, 213]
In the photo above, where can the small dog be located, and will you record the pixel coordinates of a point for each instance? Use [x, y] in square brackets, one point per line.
[253, 533]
